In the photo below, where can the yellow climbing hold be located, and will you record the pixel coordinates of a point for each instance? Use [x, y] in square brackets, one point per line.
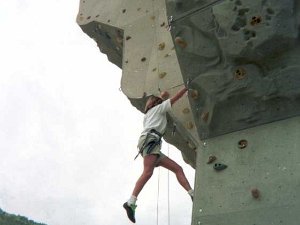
[161, 46]
[162, 75]
[189, 125]
[194, 94]
[186, 110]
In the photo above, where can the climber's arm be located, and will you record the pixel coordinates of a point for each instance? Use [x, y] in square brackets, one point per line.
[178, 95]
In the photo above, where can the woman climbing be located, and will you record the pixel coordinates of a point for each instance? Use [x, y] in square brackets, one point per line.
[149, 145]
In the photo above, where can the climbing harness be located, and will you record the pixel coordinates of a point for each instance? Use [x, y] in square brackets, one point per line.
[153, 138]
[174, 129]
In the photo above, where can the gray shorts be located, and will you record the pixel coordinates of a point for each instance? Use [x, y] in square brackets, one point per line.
[155, 151]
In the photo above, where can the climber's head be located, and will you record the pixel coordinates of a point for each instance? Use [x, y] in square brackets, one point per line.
[151, 102]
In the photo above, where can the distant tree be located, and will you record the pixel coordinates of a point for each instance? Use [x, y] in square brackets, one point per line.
[10, 219]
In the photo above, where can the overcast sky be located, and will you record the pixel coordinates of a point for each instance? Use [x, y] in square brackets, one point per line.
[68, 136]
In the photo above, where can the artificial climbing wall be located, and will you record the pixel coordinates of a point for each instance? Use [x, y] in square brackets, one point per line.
[136, 37]
[239, 125]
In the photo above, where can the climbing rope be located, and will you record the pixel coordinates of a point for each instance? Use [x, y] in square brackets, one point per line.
[157, 200]
[158, 192]
[168, 188]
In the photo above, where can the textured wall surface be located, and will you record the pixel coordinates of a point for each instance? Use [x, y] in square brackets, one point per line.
[243, 57]
[269, 162]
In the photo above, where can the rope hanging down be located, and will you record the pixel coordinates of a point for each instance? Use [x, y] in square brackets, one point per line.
[158, 192]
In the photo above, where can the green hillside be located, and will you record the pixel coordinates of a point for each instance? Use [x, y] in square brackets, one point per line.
[10, 219]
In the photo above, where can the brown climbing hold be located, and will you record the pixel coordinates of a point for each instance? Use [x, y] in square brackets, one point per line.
[211, 159]
[143, 59]
[128, 38]
[163, 24]
[89, 17]
[161, 46]
[240, 74]
[186, 110]
[191, 145]
[255, 193]
[154, 69]
[243, 144]
[205, 116]
[162, 75]
[124, 10]
[194, 94]
[255, 20]
[189, 125]
[180, 42]
[119, 40]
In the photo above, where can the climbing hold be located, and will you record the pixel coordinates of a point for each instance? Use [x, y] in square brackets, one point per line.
[154, 69]
[191, 145]
[143, 59]
[81, 18]
[220, 166]
[89, 17]
[255, 20]
[161, 46]
[126, 61]
[189, 125]
[128, 38]
[255, 193]
[240, 74]
[138, 9]
[119, 40]
[107, 35]
[186, 110]
[211, 159]
[124, 10]
[205, 116]
[180, 42]
[194, 94]
[242, 144]
[163, 24]
[162, 75]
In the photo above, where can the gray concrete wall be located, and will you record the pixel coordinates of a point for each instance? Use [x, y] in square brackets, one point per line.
[269, 163]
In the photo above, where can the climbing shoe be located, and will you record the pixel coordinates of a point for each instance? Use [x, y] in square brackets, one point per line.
[130, 210]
